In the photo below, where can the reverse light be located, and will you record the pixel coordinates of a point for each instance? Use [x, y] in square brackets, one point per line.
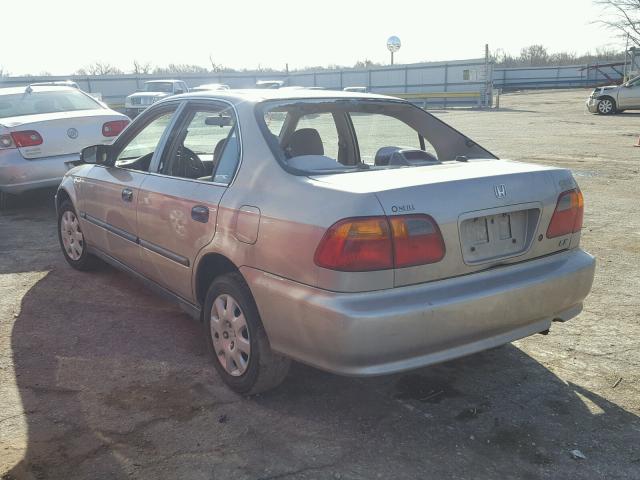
[416, 240]
[364, 244]
[113, 128]
[568, 215]
[26, 138]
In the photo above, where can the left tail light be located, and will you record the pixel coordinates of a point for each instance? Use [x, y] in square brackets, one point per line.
[364, 244]
[26, 138]
[568, 215]
[113, 129]
[6, 142]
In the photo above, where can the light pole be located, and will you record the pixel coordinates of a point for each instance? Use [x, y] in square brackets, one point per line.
[393, 45]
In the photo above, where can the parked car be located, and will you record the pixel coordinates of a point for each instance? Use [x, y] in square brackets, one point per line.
[210, 86]
[43, 129]
[153, 91]
[270, 84]
[355, 233]
[615, 98]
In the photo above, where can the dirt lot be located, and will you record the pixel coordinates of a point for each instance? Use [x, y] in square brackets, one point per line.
[101, 379]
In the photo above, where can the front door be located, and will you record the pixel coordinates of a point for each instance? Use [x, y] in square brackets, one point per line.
[110, 193]
[629, 96]
[178, 202]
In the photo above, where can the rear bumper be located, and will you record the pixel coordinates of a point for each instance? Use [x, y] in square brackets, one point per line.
[403, 328]
[18, 175]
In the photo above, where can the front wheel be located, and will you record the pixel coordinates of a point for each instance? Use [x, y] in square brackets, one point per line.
[606, 106]
[237, 340]
[71, 239]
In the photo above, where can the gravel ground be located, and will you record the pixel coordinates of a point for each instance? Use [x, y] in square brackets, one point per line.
[99, 378]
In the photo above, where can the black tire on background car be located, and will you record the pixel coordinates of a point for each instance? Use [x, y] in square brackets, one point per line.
[4, 200]
[72, 240]
[237, 340]
[606, 106]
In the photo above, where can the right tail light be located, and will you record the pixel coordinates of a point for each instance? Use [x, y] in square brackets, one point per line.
[568, 215]
[364, 244]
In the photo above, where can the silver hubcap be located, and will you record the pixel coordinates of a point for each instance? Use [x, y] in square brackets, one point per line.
[605, 106]
[72, 237]
[230, 335]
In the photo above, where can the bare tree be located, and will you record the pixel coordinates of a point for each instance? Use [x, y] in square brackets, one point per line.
[534, 55]
[3, 72]
[141, 68]
[99, 68]
[621, 16]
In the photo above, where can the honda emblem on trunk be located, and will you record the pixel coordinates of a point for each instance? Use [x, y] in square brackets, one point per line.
[500, 190]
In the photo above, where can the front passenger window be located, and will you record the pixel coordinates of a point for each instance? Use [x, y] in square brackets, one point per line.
[137, 154]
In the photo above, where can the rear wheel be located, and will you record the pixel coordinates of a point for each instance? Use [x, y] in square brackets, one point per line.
[606, 106]
[72, 241]
[237, 340]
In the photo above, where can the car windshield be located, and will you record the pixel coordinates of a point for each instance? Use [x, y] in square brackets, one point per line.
[165, 87]
[318, 136]
[19, 104]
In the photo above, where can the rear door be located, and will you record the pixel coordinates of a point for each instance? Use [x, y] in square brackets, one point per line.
[110, 194]
[178, 203]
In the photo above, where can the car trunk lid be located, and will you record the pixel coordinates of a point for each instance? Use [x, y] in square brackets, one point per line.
[490, 212]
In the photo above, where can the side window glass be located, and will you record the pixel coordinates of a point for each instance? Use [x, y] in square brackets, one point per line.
[325, 125]
[137, 154]
[375, 131]
[228, 160]
[200, 145]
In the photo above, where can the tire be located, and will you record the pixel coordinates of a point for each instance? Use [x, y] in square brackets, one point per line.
[237, 340]
[606, 106]
[72, 241]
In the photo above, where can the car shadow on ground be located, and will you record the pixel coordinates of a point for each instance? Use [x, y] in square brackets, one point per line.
[116, 383]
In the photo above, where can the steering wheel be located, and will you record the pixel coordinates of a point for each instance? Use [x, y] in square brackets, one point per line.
[190, 163]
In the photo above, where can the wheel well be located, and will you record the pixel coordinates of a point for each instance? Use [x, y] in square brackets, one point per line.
[210, 267]
[61, 196]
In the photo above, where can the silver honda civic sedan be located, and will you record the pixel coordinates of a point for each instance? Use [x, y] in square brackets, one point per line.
[353, 232]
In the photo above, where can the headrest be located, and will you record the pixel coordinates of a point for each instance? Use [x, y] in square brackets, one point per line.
[305, 141]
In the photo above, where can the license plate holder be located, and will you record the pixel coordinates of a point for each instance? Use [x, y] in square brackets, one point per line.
[498, 235]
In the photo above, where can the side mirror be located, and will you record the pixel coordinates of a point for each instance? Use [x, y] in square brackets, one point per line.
[97, 154]
[178, 91]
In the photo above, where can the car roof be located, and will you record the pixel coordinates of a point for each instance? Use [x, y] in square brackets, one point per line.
[260, 95]
[36, 88]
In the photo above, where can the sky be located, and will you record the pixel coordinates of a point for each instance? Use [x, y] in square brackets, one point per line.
[61, 37]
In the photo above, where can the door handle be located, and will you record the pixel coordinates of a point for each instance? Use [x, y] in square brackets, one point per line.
[127, 195]
[200, 213]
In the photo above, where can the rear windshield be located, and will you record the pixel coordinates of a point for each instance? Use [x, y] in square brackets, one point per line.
[18, 104]
[315, 136]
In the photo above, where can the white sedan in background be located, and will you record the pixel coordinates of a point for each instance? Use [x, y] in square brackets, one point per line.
[43, 129]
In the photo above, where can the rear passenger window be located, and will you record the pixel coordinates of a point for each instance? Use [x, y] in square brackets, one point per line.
[326, 127]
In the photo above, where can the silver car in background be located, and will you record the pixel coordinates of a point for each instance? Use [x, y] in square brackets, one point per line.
[353, 232]
[43, 129]
[615, 98]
